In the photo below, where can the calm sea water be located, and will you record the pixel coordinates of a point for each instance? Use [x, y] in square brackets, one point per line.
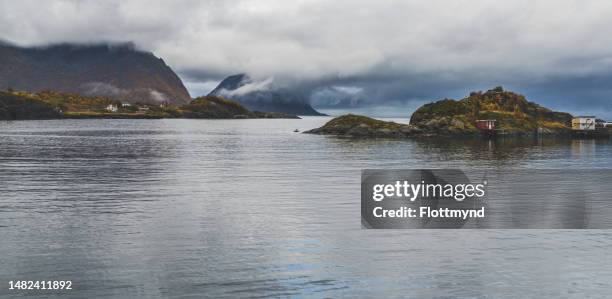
[248, 208]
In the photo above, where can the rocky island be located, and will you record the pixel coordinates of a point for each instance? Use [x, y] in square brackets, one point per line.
[19, 105]
[508, 113]
[351, 125]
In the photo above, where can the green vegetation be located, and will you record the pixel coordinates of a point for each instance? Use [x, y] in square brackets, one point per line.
[72, 102]
[213, 107]
[514, 114]
[351, 120]
[14, 106]
[361, 126]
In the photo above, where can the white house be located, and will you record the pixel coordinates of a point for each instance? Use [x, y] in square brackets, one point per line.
[112, 108]
[583, 123]
[126, 105]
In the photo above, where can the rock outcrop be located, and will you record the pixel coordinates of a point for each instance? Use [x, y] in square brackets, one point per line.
[351, 125]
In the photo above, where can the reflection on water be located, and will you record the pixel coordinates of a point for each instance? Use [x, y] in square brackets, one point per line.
[242, 208]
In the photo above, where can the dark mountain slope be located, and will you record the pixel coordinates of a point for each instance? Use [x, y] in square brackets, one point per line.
[117, 71]
[263, 99]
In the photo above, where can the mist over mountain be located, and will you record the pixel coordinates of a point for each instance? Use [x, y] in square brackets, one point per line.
[379, 59]
[263, 95]
[118, 71]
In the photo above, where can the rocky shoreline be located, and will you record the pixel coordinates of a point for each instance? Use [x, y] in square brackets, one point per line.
[358, 126]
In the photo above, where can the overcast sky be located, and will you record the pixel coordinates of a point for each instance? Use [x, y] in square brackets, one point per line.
[372, 56]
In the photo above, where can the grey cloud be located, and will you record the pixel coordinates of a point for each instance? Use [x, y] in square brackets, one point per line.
[105, 89]
[158, 96]
[396, 52]
[256, 86]
[101, 88]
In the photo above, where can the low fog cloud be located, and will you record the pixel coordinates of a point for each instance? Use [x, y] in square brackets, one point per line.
[392, 52]
[249, 87]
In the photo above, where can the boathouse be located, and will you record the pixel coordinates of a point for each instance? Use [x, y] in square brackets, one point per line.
[486, 124]
[583, 123]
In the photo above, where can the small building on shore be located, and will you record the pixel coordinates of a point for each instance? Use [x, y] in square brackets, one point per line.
[111, 108]
[486, 124]
[583, 123]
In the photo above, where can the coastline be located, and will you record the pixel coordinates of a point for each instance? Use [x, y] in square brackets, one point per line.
[18, 105]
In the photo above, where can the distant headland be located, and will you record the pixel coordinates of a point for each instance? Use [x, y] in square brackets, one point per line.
[19, 105]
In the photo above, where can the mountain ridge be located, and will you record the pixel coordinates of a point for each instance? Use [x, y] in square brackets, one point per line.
[262, 96]
[119, 71]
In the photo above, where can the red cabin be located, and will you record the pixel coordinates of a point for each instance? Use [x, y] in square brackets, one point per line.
[486, 124]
